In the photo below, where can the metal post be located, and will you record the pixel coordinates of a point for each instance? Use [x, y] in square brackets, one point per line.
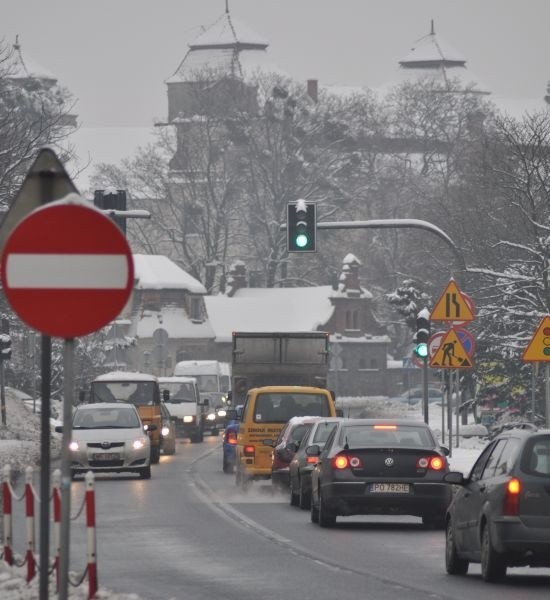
[533, 383]
[425, 388]
[68, 383]
[46, 368]
[2, 393]
[450, 411]
[458, 404]
[443, 407]
[547, 395]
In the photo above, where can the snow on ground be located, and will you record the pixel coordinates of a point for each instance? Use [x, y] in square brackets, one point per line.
[20, 447]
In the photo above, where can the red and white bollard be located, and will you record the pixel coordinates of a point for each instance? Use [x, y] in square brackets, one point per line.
[90, 529]
[56, 481]
[6, 502]
[29, 514]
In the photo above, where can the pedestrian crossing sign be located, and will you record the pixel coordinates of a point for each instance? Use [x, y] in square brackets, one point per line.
[452, 306]
[538, 349]
[451, 353]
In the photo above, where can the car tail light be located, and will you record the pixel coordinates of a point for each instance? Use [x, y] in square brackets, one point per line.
[511, 498]
[312, 460]
[392, 427]
[231, 438]
[343, 461]
[435, 463]
[249, 450]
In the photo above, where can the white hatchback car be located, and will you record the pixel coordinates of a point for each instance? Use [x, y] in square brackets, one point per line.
[109, 437]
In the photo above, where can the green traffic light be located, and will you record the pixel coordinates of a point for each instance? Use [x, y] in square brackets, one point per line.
[301, 240]
[421, 350]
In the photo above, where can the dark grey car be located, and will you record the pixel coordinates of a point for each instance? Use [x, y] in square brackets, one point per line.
[301, 465]
[380, 466]
[500, 516]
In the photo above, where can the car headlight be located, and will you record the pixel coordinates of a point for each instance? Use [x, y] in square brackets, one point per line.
[138, 444]
[222, 413]
[211, 417]
[73, 446]
[188, 419]
[165, 430]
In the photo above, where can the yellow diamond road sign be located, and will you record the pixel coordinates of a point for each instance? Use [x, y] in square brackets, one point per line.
[538, 349]
[452, 306]
[451, 354]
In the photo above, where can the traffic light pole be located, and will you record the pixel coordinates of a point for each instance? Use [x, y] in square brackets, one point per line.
[396, 224]
[425, 389]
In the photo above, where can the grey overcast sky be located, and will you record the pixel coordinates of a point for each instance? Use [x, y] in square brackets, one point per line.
[114, 55]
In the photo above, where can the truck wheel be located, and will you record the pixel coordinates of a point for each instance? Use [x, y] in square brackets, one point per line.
[155, 455]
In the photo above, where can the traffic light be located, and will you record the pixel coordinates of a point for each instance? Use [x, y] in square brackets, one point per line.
[301, 226]
[422, 334]
[5, 346]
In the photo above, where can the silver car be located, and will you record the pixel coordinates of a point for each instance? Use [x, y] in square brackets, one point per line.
[109, 437]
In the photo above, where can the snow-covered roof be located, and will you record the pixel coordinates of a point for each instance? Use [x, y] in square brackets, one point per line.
[228, 31]
[229, 47]
[174, 320]
[27, 68]
[156, 272]
[433, 58]
[432, 50]
[277, 309]
[125, 376]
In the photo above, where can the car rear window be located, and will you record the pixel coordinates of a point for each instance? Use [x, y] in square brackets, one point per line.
[398, 435]
[281, 407]
[536, 456]
[322, 431]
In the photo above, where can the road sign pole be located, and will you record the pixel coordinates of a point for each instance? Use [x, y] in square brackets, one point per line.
[425, 388]
[547, 395]
[68, 384]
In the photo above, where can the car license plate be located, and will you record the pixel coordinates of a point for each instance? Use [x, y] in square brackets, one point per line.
[389, 488]
[107, 456]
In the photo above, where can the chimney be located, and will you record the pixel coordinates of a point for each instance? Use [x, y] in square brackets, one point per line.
[237, 278]
[313, 89]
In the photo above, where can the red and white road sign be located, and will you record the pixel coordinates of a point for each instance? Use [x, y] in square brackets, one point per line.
[67, 269]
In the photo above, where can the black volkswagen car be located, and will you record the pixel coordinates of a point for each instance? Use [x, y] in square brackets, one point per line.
[379, 466]
[500, 516]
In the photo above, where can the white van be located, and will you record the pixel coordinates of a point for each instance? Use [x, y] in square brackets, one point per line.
[182, 399]
[214, 380]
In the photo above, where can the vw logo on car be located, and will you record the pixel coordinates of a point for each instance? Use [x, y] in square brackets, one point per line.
[389, 462]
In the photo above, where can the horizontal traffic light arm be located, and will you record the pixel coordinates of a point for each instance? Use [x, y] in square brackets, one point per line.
[394, 224]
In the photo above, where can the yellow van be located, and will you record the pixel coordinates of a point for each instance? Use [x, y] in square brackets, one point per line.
[265, 412]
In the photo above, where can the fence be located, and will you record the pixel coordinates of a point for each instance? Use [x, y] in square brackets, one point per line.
[30, 497]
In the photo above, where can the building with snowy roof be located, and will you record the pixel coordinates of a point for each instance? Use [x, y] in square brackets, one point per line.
[169, 318]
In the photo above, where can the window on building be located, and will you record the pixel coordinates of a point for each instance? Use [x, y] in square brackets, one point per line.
[362, 363]
[373, 363]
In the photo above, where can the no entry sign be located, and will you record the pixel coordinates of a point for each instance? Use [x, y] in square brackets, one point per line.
[67, 269]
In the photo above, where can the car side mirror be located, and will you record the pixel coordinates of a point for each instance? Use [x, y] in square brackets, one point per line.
[59, 429]
[313, 450]
[166, 395]
[445, 450]
[339, 412]
[454, 477]
[206, 402]
[293, 446]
